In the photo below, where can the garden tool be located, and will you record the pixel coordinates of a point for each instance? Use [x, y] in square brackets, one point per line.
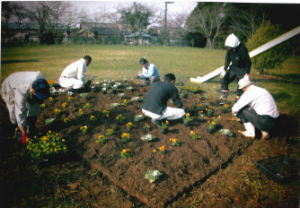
[250, 130]
[31, 128]
[18, 134]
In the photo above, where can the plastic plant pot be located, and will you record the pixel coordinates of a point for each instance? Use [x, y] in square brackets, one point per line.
[164, 131]
[210, 115]
[210, 130]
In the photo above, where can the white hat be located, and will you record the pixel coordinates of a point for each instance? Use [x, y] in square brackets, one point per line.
[232, 41]
[244, 83]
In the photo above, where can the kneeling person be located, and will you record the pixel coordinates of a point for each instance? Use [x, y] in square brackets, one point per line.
[155, 102]
[149, 72]
[255, 108]
[73, 75]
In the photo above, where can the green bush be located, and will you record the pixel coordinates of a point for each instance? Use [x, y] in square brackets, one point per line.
[274, 57]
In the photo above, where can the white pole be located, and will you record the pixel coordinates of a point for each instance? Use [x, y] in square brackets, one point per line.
[253, 53]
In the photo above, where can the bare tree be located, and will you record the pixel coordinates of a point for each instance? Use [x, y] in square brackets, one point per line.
[19, 13]
[139, 16]
[208, 18]
[178, 22]
[49, 15]
[248, 18]
[7, 11]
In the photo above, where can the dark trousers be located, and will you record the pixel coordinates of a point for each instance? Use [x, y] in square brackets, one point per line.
[232, 74]
[262, 122]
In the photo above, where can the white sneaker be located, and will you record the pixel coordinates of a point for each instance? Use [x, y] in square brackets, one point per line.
[250, 130]
[247, 134]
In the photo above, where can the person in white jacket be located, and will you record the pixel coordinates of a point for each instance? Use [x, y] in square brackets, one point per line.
[256, 108]
[73, 76]
[24, 91]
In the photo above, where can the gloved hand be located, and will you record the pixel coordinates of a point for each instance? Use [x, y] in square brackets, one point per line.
[246, 77]
[222, 75]
[25, 136]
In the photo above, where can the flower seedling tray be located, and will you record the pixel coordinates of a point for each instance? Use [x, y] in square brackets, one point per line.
[281, 169]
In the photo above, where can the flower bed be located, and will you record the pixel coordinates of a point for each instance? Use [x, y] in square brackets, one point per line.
[181, 166]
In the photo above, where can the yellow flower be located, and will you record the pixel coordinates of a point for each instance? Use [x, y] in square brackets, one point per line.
[97, 141]
[187, 115]
[66, 120]
[92, 117]
[50, 98]
[63, 140]
[80, 110]
[154, 150]
[193, 133]
[170, 139]
[213, 123]
[125, 100]
[107, 115]
[104, 111]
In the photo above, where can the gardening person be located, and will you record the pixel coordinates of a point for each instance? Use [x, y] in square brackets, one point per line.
[149, 73]
[73, 75]
[255, 108]
[155, 102]
[25, 91]
[238, 55]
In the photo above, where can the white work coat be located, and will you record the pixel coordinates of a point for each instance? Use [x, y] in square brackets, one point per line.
[73, 75]
[16, 92]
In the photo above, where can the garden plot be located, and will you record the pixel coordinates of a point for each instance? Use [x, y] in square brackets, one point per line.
[181, 167]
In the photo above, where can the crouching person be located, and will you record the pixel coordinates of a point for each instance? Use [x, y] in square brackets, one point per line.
[24, 91]
[73, 76]
[149, 73]
[256, 108]
[155, 103]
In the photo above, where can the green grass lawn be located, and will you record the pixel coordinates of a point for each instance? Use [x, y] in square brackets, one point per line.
[116, 62]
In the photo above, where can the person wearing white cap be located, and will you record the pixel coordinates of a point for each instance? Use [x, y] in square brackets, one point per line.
[238, 55]
[256, 108]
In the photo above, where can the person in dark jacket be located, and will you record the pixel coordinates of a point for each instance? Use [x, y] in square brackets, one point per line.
[155, 102]
[237, 53]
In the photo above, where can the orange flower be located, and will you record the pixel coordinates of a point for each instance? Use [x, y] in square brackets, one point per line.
[167, 122]
[146, 124]
[205, 117]
[193, 133]
[200, 105]
[190, 106]
[201, 111]
[210, 106]
[162, 148]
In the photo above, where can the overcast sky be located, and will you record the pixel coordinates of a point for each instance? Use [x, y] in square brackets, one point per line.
[110, 5]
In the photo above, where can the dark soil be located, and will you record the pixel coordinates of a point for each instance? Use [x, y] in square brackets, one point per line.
[103, 170]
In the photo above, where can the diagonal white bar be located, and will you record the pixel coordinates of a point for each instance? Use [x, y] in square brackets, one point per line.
[253, 53]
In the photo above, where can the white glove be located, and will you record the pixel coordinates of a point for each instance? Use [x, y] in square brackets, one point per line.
[222, 75]
[246, 77]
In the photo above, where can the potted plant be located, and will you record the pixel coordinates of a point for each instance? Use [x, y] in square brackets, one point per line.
[183, 94]
[218, 100]
[201, 116]
[122, 95]
[120, 118]
[129, 125]
[139, 117]
[104, 90]
[101, 139]
[93, 118]
[201, 97]
[114, 105]
[135, 99]
[187, 119]
[83, 129]
[147, 137]
[210, 112]
[125, 153]
[80, 113]
[175, 142]
[194, 135]
[125, 103]
[146, 127]
[191, 109]
[105, 113]
[201, 107]
[211, 127]
[131, 88]
[84, 95]
[164, 127]
[42, 105]
[114, 88]
[225, 108]
[125, 137]
[152, 175]
[109, 132]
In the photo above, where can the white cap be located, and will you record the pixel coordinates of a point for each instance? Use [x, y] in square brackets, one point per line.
[232, 41]
[244, 83]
